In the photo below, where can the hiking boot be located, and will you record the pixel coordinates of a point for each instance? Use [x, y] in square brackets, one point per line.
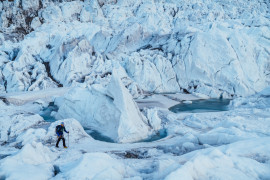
[65, 147]
[57, 146]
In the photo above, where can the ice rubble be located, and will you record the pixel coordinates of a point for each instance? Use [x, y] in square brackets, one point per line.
[33, 161]
[203, 47]
[213, 48]
[37, 158]
[13, 123]
[219, 145]
[241, 160]
[111, 111]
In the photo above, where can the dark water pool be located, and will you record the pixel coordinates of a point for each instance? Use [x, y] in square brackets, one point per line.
[205, 105]
[98, 136]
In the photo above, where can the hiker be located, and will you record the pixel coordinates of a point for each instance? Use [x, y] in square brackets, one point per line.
[59, 130]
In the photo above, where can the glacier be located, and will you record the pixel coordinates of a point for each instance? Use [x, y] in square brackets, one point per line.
[176, 42]
[116, 67]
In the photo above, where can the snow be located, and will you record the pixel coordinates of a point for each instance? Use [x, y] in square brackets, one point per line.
[14, 123]
[102, 166]
[165, 100]
[31, 135]
[227, 162]
[33, 161]
[156, 100]
[20, 98]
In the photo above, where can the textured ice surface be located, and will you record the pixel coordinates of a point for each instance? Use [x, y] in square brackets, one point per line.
[213, 145]
[207, 48]
[212, 48]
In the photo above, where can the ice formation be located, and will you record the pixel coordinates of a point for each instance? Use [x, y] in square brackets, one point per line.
[106, 65]
[111, 111]
[213, 48]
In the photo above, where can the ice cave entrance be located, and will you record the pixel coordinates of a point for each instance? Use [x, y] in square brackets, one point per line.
[46, 114]
[203, 105]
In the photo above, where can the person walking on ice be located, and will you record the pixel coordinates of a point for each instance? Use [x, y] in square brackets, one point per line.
[59, 130]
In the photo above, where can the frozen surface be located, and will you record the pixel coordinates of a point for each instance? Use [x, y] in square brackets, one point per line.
[20, 98]
[212, 145]
[164, 100]
[105, 54]
[33, 161]
[215, 49]
[102, 166]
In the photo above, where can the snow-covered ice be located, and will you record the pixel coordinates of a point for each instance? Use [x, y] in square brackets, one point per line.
[116, 67]
[230, 144]
[33, 161]
[93, 166]
[212, 48]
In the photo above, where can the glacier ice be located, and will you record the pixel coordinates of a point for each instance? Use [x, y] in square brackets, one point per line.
[216, 49]
[111, 111]
[107, 52]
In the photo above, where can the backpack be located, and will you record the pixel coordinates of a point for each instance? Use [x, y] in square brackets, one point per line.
[58, 129]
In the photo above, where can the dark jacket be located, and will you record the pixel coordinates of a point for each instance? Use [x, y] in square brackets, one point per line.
[60, 130]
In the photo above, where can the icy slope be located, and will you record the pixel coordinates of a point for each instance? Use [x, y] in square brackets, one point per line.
[217, 48]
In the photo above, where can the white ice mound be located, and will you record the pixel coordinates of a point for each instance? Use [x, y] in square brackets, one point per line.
[110, 111]
[93, 166]
[31, 135]
[32, 162]
[75, 129]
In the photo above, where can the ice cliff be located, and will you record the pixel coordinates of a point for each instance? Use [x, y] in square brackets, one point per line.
[217, 48]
